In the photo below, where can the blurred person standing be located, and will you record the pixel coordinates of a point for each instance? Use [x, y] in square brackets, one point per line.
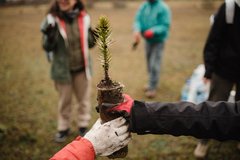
[152, 21]
[68, 36]
[221, 58]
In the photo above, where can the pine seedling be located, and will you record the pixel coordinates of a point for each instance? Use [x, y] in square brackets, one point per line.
[108, 90]
[104, 42]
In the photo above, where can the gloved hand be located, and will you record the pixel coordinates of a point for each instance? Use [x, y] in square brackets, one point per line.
[148, 34]
[125, 106]
[109, 137]
[50, 32]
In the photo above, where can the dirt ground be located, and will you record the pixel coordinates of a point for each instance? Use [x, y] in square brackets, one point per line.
[28, 100]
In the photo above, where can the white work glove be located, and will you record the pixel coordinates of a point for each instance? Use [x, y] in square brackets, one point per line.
[109, 137]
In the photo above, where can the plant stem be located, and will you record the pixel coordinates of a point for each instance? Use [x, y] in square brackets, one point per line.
[104, 41]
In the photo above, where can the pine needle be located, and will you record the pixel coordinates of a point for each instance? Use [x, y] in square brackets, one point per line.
[104, 42]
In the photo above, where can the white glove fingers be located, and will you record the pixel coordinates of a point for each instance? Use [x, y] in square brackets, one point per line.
[123, 129]
[124, 136]
[117, 145]
[109, 137]
[123, 143]
[118, 122]
[127, 140]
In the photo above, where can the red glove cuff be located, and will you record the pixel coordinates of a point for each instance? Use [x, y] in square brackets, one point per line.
[125, 106]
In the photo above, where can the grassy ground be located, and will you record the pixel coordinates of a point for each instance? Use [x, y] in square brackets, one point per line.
[28, 100]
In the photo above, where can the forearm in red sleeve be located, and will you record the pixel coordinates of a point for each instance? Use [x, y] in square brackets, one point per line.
[80, 149]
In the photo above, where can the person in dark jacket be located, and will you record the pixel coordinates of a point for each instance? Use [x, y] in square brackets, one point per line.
[221, 58]
[68, 36]
[217, 120]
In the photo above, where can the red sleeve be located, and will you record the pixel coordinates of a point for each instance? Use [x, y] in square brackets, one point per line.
[80, 149]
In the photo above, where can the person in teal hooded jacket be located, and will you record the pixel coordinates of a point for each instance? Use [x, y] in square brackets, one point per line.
[152, 21]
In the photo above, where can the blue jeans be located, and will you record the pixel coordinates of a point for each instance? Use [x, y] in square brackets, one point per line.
[154, 53]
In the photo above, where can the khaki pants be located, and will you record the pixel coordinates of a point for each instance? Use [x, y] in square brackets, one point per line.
[81, 87]
[220, 89]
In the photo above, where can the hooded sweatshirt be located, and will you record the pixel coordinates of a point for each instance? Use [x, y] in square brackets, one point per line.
[155, 16]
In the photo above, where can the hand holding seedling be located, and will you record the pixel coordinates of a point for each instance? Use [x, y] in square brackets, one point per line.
[109, 137]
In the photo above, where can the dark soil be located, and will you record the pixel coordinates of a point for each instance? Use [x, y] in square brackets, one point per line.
[107, 84]
[111, 92]
[108, 92]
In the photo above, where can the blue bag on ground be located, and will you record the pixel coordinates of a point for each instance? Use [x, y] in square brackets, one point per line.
[195, 90]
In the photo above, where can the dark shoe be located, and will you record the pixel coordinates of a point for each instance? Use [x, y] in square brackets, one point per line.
[83, 131]
[61, 136]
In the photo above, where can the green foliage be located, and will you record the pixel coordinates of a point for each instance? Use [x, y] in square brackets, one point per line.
[104, 42]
